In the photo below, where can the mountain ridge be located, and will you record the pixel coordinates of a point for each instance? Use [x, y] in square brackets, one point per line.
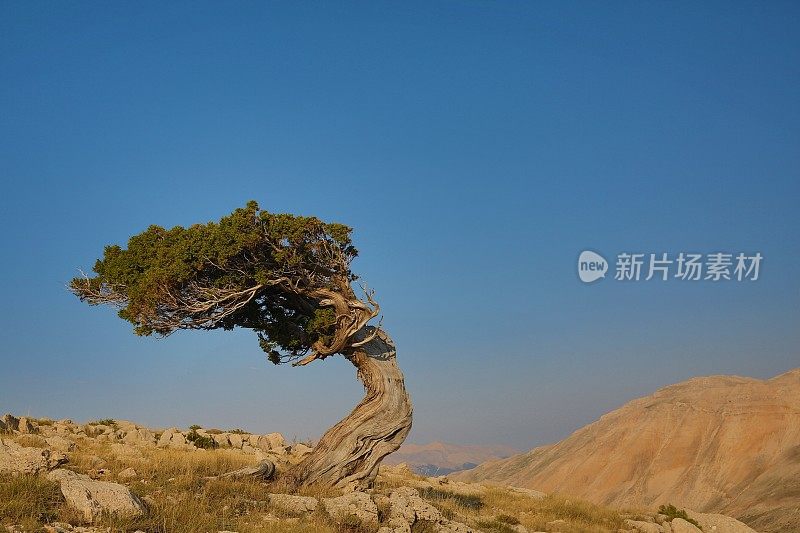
[728, 444]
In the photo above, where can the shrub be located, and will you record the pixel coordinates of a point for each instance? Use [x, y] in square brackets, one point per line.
[104, 422]
[673, 512]
[201, 441]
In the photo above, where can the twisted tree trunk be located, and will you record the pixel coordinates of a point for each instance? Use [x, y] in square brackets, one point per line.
[349, 453]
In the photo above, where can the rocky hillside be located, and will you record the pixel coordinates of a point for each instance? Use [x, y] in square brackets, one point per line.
[721, 443]
[441, 458]
[118, 476]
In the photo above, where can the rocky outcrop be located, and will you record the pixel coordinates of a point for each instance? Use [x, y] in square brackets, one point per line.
[16, 459]
[93, 498]
[291, 504]
[357, 504]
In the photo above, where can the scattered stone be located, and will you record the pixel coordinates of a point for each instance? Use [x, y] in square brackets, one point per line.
[643, 527]
[60, 443]
[16, 459]
[679, 525]
[10, 422]
[235, 439]
[357, 504]
[140, 436]
[269, 442]
[25, 425]
[128, 473]
[92, 498]
[717, 523]
[294, 505]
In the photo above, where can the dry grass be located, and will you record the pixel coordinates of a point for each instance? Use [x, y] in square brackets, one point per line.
[181, 498]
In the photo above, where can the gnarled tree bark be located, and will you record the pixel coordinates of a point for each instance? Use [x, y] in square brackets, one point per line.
[349, 453]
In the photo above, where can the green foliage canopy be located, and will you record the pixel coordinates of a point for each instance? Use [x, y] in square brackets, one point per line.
[287, 277]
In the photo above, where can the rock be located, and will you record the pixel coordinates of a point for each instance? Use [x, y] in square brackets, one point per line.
[408, 507]
[643, 527]
[357, 504]
[60, 443]
[140, 436]
[246, 448]
[235, 439]
[293, 505]
[221, 440]
[10, 422]
[269, 442]
[173, 438]
[25, 425]
[679, 525]
[16, 459]
[717, 523]
[92, 498]
[128, 473]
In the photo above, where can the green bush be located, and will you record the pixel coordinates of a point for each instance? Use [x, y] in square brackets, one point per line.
[673, 512]
[201, 441]
[104, 422]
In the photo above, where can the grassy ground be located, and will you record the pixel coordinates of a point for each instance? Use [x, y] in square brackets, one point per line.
[181, 499]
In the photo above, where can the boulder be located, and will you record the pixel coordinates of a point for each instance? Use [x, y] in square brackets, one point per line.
[408, 507]
[643, 527]
[173, 438]
[679, 525]
[357, 504]
[221, 440]
[128, 473]
[235, 439]
[16, 459]
[140, 436]
[293, 505]
[10, 422]
[60, 443]
[269, 442]
[93, 498]
[717, 523]
[26, 425]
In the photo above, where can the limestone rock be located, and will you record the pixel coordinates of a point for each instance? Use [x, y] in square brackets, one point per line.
[357, 504]
[60, 443]
[221, 440]
[128, 473]
[141, 436]
[268, 442]
[717, 523]
[173, 438]
[679, 525]
[643, 527]
[407, 506]
[16, 459]
[25, 425]
[92, 498]
[294, 505]
[10, 422]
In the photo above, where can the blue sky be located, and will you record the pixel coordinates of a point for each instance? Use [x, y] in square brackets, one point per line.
[476, 148]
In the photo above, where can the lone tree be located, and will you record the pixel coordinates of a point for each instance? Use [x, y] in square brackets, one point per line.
[287, 278]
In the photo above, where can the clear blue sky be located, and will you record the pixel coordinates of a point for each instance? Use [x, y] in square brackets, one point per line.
[475, 147]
